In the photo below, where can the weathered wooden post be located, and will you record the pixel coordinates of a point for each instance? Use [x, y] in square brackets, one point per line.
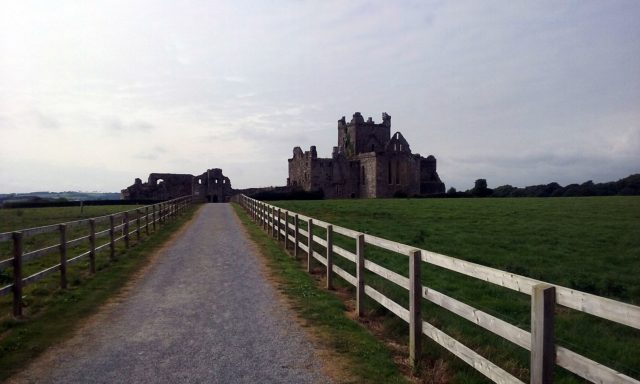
[309, 243]
[265, 222]
[329, 256]
[92, 246]
[126, 230]
[112, 238]
[153, 216]
[286, 230]
[137, 225]
[270, 219]
[278, 224]
[360, 275]
[296, 233]
[63, 255]
[146, 220]
[17, 273]
[543, 350]
[274, 222]
[415, 308]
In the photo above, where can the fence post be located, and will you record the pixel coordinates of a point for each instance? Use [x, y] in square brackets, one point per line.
[137, 225]
[309, 243]
[360, 275]
[295, 235]
[92, 246]
[112, 238]
[146, 220]
[286, 230]
[543, 350]
[17, 274]
[265, 223]
[153, 216]
[126, 230]
[415, 308]
[278, 225]
[63, 255]
[329, 256]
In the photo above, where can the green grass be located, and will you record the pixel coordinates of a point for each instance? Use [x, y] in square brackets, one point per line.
[367, 359]
[590, 244]
[51, 313]
[17, 219]
[22, 218]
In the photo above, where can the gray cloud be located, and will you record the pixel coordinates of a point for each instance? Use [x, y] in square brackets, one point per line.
[116, 125]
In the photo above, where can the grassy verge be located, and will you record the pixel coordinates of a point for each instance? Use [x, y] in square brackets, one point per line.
[55, 313]
[366, 359]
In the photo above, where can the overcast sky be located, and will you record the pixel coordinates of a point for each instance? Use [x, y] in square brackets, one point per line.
[96, 93]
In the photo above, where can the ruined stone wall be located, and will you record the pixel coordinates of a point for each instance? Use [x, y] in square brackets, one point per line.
[300, 170]
[360, 136]
[211, 186]
[367, 163]
[429, 179]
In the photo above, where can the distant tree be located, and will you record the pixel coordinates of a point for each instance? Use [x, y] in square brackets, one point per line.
[480, 189]
[451, 192]
[503, 191]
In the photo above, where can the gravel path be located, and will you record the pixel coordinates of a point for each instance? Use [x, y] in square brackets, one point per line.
[216, 321]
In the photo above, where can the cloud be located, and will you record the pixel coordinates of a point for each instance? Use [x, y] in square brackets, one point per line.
[155, 153]
[116, 126]
[519, 93]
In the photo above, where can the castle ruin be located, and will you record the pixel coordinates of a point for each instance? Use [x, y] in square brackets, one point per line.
[367, 163]
[211, 186]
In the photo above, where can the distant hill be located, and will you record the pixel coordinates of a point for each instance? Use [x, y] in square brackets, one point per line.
[57, 196]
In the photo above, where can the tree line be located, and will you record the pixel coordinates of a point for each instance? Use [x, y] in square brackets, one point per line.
[629, 186]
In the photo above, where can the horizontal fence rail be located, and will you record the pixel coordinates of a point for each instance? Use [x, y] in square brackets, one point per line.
[131, 223]
[545, 353]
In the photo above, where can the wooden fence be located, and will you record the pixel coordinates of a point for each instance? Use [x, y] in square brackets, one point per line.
[131, 223]
[545, 353]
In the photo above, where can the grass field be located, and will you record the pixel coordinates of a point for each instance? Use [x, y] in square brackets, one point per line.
[17, 219]
[50, 312]
[590, 244]
[20, 218]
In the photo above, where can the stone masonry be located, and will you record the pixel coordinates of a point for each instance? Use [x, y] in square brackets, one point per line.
[211, 186]
[367, 163]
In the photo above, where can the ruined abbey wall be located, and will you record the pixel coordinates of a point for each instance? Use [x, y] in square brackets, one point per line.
[367, 162]
[211, 186]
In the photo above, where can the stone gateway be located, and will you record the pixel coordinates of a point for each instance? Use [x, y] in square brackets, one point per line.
[368, 162]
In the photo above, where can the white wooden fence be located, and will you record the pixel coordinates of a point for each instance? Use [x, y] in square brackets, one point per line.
[545, 353]
[138, 218]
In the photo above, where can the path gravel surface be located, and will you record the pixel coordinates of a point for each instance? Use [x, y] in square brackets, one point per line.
[202, 313]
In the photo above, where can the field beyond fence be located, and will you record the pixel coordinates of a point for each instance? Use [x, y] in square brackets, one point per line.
[39, 252]
[534, 327]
